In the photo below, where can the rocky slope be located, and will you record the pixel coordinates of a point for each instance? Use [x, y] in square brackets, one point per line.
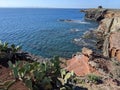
[108, 31]
[106, 64]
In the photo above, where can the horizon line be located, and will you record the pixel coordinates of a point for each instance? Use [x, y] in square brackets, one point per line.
[61, 7]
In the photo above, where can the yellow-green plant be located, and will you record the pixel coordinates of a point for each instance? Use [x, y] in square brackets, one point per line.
[15, 48]
[47, 74]
[66, 80]
[94, 78]
[3, 46]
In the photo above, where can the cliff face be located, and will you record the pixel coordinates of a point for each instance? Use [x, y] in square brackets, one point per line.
[108, 34]
[94, 14]
[107, 63]
[109, 29]
[100, 13]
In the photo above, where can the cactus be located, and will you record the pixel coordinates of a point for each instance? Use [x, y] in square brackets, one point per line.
[3, 46]
[15, 48]
[15, 68]
[65, 79]
[42, 74]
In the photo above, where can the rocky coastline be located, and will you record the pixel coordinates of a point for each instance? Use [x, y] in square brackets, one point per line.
[108, 30]
[88, 65]
[106, 63]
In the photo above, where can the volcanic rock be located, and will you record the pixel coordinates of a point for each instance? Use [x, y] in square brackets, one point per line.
[87, 51]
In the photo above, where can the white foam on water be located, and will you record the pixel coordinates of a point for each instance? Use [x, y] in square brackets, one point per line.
[81, 22]
[74, 30]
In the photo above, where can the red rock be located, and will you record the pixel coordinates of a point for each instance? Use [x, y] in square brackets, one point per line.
[114, 41]
[118, 55]
[113, 52]
[79, 65]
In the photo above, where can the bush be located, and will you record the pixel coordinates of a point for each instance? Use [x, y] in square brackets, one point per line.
[94, 79]
[47, 75]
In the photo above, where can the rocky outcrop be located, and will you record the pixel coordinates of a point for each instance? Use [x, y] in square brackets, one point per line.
[108, 30]
[87, 52]
[81, 64]
[107, 63]
[109, 34]
[95, 14]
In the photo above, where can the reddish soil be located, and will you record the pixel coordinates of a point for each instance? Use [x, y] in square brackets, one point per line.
[18, 86]
[6, 74]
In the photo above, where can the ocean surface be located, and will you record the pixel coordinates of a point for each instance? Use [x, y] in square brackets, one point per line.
[40, 32]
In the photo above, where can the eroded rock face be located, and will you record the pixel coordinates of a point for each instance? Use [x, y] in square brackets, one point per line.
[115, 45]
[109, 14]
[115, 40]
[95, 14]
[115, 25]
[80, 65]
[87, 51]
[110, 29]
[105, 25]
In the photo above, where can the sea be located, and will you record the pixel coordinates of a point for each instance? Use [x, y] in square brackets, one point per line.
[45, 32]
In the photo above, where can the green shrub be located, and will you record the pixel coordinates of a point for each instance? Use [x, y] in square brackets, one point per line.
[94, 79]
[47, 75]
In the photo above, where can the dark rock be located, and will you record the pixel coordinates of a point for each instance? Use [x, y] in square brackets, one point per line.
[95, 14]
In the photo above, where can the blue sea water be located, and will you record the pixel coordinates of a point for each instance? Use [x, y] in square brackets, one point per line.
[40, 32]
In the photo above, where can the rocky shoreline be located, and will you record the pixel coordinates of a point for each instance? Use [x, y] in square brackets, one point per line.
[88, 65]
[106, 63]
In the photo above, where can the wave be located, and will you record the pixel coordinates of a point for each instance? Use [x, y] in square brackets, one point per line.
[74, 30]
[81, 22]
[73, 21]
[80, 42]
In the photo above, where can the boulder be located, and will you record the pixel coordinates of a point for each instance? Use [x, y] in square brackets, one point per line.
[113, 52]
[87, 51]
[79, 64]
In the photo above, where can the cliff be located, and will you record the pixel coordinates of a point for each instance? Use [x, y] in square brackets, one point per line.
[107, 63]
[100, 13]
[95, 71]
[94, 14]
[108, 30]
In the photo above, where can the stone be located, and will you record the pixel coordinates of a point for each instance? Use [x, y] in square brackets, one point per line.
[114, 40]
[79, 65]
[109, 14]
[113, 52]
[87, 51]
[116, 24]
[118, 55]
[93, 64]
